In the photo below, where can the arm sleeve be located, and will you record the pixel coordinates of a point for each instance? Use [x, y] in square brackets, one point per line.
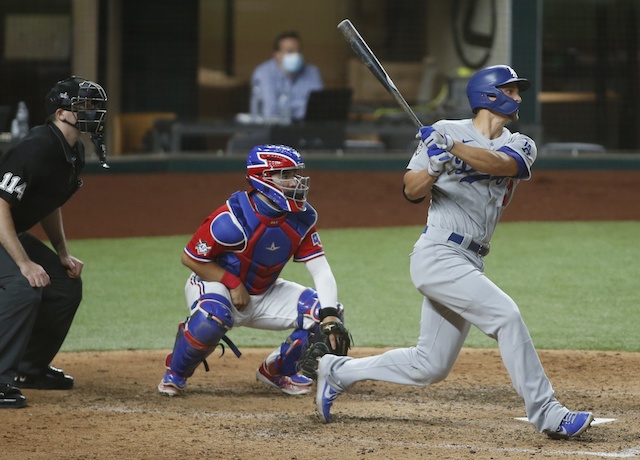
[524, 151]
[324, 281]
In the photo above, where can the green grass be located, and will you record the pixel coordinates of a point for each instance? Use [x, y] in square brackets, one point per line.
[575, 283]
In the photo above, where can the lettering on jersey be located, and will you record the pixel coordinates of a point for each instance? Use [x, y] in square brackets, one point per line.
[460, 166]
[10, 184]
[202, 248]
[526, 148]
[315, 238]
[273, 247]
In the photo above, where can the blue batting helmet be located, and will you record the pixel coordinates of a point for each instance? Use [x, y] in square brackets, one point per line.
[486, 83]
[267, 167]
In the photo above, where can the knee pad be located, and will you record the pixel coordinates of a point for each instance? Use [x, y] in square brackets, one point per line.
[309, 310]
[198, 336]
[210, 319]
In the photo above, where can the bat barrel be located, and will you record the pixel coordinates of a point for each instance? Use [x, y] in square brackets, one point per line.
[367, 56]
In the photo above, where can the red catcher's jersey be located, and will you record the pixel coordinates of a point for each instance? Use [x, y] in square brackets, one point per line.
[252, 246]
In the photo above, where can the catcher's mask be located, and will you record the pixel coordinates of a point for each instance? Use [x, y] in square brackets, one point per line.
[90, 107]
[274, 170]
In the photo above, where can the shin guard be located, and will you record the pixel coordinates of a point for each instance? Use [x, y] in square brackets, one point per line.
[198, 336]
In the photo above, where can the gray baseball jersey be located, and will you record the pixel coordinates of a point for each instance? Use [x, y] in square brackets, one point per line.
[467, 201]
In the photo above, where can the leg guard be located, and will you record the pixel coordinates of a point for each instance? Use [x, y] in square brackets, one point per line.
[198, 336]
[296, 344]
[309, 310]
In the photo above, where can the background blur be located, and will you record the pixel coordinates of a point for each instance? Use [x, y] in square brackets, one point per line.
[191, 60]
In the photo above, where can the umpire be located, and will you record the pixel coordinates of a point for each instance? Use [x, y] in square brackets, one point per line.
[40, 290]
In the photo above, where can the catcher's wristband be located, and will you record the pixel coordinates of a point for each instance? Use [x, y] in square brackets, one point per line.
[328, 311]
[230, 281]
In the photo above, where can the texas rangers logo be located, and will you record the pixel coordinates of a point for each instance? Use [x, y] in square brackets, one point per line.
[202, 248]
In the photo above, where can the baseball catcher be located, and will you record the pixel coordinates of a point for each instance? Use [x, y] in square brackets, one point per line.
[236, 257]
[333, 338]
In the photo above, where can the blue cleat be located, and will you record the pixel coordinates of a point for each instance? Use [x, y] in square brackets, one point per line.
[325, 394]
[573, 424]
[172, 384]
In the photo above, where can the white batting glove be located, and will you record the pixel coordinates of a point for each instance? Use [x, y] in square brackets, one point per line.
[432, 137]
[438, 160]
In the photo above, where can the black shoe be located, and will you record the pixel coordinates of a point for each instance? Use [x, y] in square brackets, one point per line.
[11, 397]
[51, 379]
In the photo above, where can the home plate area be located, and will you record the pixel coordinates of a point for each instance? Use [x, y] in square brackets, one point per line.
[115, 411]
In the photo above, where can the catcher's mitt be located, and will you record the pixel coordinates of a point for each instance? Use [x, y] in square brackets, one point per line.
[321, 345]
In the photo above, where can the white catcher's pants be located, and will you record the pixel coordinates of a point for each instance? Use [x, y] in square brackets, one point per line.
[458, 295]
[274, 310]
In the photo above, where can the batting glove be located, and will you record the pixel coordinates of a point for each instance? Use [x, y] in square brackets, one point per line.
[438, 159]
[432, 137]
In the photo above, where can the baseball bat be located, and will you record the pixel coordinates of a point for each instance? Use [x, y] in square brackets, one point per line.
[367, 56]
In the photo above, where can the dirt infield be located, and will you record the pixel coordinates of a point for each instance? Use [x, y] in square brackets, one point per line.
[114, 410]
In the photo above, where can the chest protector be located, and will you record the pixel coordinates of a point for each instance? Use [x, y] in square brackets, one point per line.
[268, 242]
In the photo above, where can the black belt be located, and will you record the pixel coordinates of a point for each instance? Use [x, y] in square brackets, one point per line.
[480, 249]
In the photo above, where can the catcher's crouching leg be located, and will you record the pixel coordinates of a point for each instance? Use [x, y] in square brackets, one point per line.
[197, 337]
[280, 369]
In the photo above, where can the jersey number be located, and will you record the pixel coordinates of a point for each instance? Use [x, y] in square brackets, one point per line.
[10, 185]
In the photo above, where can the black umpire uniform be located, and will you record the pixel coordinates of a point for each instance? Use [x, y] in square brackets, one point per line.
[37, 177]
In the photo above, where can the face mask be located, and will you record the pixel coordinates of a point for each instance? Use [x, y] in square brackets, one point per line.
[292, 62]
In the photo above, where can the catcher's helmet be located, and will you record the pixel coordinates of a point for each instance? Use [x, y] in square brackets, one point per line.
[267, 167]
[486, 83]
[83, 97]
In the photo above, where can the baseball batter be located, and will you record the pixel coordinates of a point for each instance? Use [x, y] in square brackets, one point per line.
[471, 168]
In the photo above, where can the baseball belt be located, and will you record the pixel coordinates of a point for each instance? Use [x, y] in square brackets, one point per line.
[477, 248]
[480, 249]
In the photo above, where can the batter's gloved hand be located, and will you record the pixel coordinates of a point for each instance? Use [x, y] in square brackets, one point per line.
[438, 159]
[321, 345]
[432, 137]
